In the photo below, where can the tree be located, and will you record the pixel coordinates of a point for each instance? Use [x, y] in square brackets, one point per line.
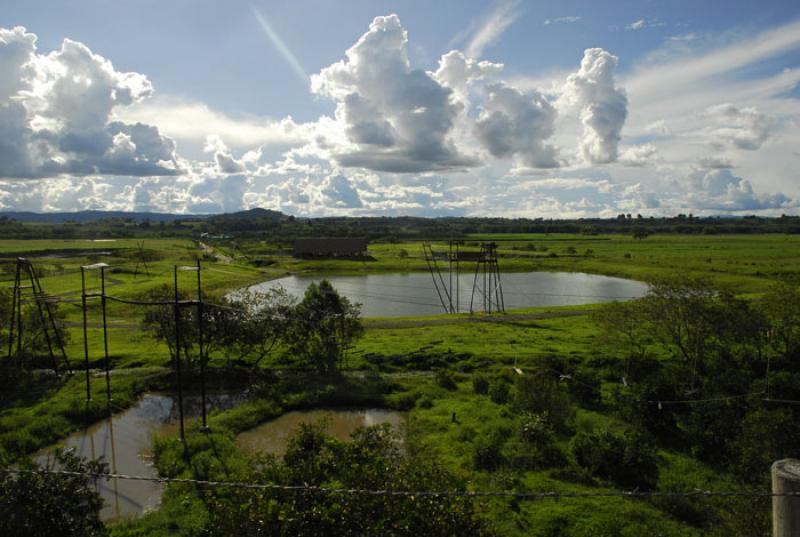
[261, 322]
[40, 504]
[324, 325]
[622, 327]
[159, 320]
[782, 308]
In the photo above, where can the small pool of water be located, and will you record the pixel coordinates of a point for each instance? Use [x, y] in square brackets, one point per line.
[272, 436]
[399, 295]
[125, 441]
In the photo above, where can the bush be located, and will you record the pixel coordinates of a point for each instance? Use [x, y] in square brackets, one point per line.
[487, 453]
[446, 380]
[403, 401]
[425, 402]
[585, 388]
[498, 392]
[480, 384]
[543, 394]
[535, 446]
[628, 460]
[47, 504]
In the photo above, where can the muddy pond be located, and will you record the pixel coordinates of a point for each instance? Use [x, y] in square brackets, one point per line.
[124, 442]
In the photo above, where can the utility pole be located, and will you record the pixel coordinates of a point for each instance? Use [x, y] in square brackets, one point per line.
[786, 509]
[85, 334]
[178, 358]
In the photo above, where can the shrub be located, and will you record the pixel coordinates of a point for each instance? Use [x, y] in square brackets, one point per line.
[543, 394]
[628, 460]
[47, 504]
[403, 400]
[425, 402]
[487, 451]
[446, 380]
[498, 392]
[480, 384]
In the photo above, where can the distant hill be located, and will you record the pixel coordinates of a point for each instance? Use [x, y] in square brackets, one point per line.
[90, 216]
[251, 214]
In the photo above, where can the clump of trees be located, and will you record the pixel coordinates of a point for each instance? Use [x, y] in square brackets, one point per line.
[726, 359]
[371, 460]
[249, 326]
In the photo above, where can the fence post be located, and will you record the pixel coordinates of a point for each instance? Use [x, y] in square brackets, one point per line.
[786, 509]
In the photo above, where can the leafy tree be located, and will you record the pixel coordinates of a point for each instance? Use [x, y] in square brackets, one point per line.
[324, 325]
[259, 322]
[781, 306]
[705, 327]
[160, 320]
[766, 435]
[622, 328]
[40, 504]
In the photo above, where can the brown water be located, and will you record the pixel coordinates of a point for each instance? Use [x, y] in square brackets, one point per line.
[271, 437]
[124, 442]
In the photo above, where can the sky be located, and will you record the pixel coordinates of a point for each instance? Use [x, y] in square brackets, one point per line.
[451, 108]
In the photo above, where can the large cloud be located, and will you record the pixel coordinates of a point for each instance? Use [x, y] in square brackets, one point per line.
[743, 128]
[396, 118]
[603, 107]
[719, 189]
[55, 114]
[513, 124]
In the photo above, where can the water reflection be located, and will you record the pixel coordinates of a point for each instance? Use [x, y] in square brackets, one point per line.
[124, 442]
[397, 295]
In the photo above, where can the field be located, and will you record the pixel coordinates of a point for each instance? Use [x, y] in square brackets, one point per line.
[414, 357]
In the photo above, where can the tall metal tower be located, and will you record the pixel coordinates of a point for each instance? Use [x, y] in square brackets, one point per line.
[487, 280]
[52, 336]
[446, 280]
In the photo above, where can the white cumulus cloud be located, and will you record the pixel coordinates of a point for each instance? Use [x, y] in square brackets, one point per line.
[603, 106]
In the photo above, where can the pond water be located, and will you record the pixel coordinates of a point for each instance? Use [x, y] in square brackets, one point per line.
[398, 295]
[124, 442]
[271, 437]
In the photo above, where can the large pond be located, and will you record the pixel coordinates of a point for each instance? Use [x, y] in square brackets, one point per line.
[272, 436]
[399, 295]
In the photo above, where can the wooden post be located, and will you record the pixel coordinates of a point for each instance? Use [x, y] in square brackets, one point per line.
[786, 509]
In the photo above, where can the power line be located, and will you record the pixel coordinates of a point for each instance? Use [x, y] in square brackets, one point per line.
[554, 494]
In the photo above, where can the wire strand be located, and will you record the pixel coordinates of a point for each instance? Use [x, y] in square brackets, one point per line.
[414, 493]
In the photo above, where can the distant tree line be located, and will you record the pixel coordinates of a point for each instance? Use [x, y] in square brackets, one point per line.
[275, 226]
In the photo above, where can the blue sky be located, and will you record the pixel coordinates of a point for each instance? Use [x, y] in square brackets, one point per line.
[597, 108]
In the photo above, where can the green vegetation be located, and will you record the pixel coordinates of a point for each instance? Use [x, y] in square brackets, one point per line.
[570, 399]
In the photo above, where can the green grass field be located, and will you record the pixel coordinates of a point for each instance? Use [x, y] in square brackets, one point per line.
[415, 347]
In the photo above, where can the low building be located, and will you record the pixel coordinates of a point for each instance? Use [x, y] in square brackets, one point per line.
[330, 247]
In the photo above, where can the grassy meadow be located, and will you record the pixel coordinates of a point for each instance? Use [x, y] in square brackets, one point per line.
[408, 355]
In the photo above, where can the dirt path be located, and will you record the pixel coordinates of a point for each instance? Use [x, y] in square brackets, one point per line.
[222, 258]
